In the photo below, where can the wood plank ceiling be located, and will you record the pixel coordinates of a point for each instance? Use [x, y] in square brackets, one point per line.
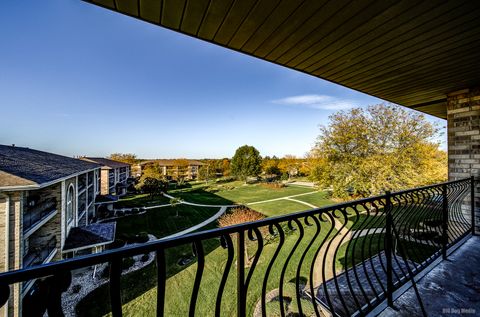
[410, 52]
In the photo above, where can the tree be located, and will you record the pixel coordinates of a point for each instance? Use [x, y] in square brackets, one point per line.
[364, 152]
[225, 167]
[152, 186]
[208, 171]
[289, 164]
[150, 171]
[246, 162]
[180, 170]
[174, 202]
[270, 166]
[237, 216]
[128, 158]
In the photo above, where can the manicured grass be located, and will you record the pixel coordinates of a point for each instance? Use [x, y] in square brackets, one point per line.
[236, 192]
[365, 221]
[200, 196]
[141, 200]
[256, 192]
[319, 199]
[160, 222]
[278, 207]
[164, 221]
[179, 286]
[373, 244]
[365, 247]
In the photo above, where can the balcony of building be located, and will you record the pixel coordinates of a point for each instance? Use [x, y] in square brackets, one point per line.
[39, 253]
[37, 213]
[354, 258]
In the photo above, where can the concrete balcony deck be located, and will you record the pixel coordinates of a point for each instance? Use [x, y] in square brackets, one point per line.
[452, 288]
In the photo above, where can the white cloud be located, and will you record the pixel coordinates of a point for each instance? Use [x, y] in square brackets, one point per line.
[322, 102]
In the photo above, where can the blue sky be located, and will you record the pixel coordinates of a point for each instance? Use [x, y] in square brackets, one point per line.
[76, 79]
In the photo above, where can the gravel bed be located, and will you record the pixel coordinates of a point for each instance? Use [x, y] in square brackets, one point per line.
[89, 279]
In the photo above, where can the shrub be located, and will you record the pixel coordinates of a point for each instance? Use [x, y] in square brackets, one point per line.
[226, 179]
[273, 185]
[239, 215]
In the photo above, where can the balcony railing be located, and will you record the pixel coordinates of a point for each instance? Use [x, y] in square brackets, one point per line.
[342, 260]
[39, 254]
[36, 214]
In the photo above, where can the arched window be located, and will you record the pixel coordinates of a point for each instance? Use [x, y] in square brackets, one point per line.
[70, 204]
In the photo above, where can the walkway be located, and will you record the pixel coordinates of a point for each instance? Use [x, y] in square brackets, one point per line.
[198, 205]
[282, 198]
[452, 288]
[198, 226]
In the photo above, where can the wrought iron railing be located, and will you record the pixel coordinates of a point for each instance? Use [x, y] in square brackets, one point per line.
[342, 259]
[37, 213]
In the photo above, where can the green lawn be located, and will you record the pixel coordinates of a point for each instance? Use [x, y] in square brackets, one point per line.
[373, 244]
[160, 222]
[200, 196]
[141, 200]
[140, 298]
[319, 199]
[236, 192]
[164, 221]
[278, 207]
[179, 286]
[257, 192]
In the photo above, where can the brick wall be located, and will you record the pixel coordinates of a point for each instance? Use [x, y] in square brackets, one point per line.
[463, 116]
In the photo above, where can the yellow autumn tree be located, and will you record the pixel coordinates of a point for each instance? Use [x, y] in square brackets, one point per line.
[363, 152]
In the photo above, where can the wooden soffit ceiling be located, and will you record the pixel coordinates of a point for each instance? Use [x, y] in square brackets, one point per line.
[411, 53]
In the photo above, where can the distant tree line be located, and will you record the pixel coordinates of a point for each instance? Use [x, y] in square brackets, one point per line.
[361, 152]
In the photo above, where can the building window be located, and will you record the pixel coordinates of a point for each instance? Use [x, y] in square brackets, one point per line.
[70, 204]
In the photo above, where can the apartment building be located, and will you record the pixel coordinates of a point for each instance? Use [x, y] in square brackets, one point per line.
[114, 175]
[46, 207]
[172, 168]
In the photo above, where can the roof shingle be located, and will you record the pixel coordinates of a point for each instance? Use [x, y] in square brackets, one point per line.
[21, 166]
[105, 162]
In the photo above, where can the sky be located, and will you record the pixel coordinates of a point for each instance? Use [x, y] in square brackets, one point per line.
[76, 79]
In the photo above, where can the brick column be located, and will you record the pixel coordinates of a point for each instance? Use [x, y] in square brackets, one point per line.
[463, 117]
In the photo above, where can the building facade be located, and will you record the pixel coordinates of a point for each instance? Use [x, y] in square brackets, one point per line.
[42, 197]
[113, 177]
[172, 169]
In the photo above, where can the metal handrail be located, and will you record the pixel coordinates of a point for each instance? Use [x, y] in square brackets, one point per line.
[358, 225]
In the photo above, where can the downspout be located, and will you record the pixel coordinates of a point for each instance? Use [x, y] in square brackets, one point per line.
[7, 240]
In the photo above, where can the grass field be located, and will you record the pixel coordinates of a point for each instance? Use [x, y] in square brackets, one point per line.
[164, 221]
[141, 200]
[140, 298]
[252, 193]
[179, 286]
[319, 199]
[278, 207]
[236, 193]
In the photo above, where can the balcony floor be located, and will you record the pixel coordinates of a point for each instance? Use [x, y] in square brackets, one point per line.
[451, 288]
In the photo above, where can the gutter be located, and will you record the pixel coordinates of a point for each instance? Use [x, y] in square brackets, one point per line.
[43, 185]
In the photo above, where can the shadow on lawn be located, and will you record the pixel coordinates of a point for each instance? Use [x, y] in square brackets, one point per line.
[134, 284]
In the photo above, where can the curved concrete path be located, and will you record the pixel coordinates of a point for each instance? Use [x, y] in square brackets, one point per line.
[198, 226]
[281, 198]
[195, 204]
